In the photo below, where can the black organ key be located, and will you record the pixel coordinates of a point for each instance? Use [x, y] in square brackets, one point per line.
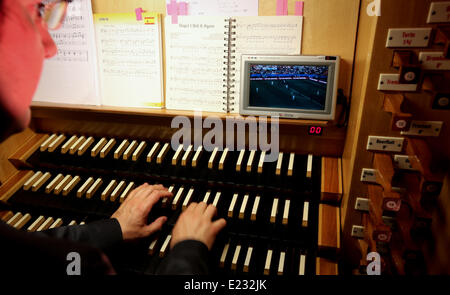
[129, 150]
[107, 148]
[138, 151]
[84, 147]
[98, 147]
[121, 149]
[68, 144]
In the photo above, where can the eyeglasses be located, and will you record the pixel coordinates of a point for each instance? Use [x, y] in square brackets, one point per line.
[53, 12]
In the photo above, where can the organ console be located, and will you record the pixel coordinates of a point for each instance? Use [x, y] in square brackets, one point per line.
[271, 208]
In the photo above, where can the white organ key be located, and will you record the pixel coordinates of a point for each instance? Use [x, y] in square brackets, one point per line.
[73, 222]
[187, 199]
[206, 198]
[176, 200]
[177, 155]
[119, 188]
[243, 206]
[151, 247]
[98, 147]
[291, 164]
[268, 262]
[32, 180]
[224, 255]
[69, 187]
[83, 148]
[216, 199]
[152, 152]
[22, 221]
[261, 162]
[301, 269]
[163, 250]
[137, 153]
[37, 185]
[108, 190]
[52, 147]
[85, 187]
[197, 156]
[309, 166]
[213, 157]
[165, 200]
[127, 154]
[232, 204]
[305, 214]
[223, 158]
[239, 160]
[82, 223]
[187, 155]
[62, 184]
[273, 213]
[13, 220]
[46, 143]
[162, 153]
[235, 257]
[91, 191]
[66, 146]
[281, 263]
[121, 149]
[76, 145]
[248, 258]
[53, 183]
[287, 204]
[58, 222]
[255, 208]
[279, 163]
[46, 224]
[250, 160]
[125, 193]
[107, 148]
[36, 224]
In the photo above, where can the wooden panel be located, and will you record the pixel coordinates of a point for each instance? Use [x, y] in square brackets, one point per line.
[329, 229]
[13, 184]
[367, 116]
[331, 189]
[9, 147]
[19, 158]
[326, 267]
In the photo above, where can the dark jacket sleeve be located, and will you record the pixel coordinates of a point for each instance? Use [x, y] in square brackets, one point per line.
[188, 257]
[101, 234]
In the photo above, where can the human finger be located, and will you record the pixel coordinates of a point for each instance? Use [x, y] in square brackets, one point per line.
[210, 212]
[155, 225]
[200, 208]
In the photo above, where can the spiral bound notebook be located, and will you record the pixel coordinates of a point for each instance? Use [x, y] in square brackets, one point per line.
[203, 56]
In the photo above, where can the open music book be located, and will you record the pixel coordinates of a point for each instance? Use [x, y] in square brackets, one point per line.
[203, 56]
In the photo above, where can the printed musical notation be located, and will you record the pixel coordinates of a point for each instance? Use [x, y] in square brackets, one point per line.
[71, 75]
[195, 50]
[130, 60]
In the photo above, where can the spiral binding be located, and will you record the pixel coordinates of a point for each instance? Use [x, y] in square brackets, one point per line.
[230, 61]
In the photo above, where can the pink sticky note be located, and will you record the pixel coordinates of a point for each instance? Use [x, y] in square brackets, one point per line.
[282, 7]
[299, 8]
[138, 12]
[182, 8]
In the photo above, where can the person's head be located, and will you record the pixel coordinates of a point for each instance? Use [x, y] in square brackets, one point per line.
[24, 44]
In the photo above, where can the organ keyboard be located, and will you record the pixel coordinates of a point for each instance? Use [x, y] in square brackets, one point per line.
[271, 208]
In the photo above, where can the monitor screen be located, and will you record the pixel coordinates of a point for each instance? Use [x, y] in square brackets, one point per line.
[288, 86]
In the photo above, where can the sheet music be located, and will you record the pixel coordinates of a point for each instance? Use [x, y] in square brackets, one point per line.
[71, 75]
[130, 59]
[195, 63]
[265, 35]
[221, 7]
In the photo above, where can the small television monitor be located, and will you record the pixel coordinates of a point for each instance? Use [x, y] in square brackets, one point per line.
[294, 86]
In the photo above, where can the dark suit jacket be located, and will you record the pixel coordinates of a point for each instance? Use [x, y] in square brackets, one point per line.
[46, 251]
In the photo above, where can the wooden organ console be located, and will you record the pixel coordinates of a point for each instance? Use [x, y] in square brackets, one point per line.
[276, 223]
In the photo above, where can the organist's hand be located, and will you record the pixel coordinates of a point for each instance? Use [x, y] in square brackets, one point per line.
[132, 214]
[196, 224]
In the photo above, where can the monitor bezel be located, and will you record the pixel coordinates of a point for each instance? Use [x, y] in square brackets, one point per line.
[330, 101]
